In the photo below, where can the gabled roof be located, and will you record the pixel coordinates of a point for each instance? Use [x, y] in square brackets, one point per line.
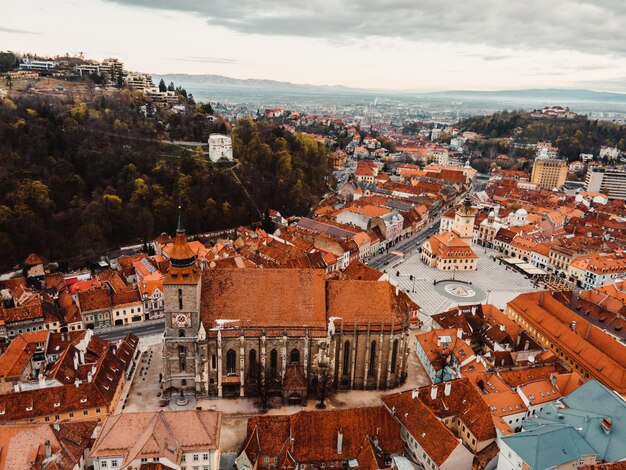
[101, 373]
[448, 245]
[596, 351]
[429, 432]
[294, 378]
[290, 297]
[548, 446]
[165, 434]
[463, 401]
[33, 260]
[17, 356]
[23, 445]
[98, 298]
[311, 436]
[360, 302]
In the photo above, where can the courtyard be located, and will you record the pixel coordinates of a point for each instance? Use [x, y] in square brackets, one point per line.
[493, 282]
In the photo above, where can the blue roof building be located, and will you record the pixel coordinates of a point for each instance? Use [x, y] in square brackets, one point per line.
[587, 425]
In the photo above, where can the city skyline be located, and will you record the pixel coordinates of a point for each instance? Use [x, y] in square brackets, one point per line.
[403, 46]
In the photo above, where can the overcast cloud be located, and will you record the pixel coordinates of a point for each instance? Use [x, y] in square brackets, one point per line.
[418, 45]
[597, 26]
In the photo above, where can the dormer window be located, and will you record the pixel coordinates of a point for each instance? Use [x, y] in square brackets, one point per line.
[56, 405]
[83, 400]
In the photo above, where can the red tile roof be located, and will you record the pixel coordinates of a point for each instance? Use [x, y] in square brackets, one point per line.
[429, 432]
[597, 352]
[311, 436]
[464, 401]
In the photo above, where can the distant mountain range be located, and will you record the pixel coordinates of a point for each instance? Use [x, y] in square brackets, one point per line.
[220, 81]
[556, 95]
[209, 86]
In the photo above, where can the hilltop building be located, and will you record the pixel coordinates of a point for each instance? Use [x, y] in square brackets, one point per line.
[220, 148]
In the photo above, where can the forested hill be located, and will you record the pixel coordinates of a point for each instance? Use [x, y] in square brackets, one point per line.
[78, 178]
[571, 136]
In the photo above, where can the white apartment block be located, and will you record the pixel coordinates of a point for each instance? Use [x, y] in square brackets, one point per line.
[609, 181]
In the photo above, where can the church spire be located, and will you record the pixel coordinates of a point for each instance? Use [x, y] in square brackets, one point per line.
[180, 228]
[181, 254]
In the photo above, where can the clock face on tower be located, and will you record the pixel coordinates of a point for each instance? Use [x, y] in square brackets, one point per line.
[180, 320]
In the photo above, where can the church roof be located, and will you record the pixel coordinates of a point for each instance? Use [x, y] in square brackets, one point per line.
[264, 298]
[276, 300]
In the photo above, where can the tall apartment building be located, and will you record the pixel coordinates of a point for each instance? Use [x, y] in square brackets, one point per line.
[549, 173]
[609, 181]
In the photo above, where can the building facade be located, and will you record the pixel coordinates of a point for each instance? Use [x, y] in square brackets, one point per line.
[549, 173]
[220, 147]
[242, 332]
[609, 181]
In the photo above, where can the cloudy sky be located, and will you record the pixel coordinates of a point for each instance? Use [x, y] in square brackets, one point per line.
[417, 45]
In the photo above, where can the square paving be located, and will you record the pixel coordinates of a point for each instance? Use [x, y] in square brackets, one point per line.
[492, 282]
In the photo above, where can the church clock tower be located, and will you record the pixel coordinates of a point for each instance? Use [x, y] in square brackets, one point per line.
[464, 221]
[182, 286]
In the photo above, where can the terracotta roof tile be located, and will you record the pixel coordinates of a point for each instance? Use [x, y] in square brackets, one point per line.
[598, 353]
[165, 434]
[95, 299]
[291, 298]
[464, 401]
[314, 433]
[429, 432]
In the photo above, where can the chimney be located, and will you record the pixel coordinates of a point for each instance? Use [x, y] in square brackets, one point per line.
[339, 441]
[433, 392]
[82, 357]
[75, 360]
[48, 449]
[607, 424]
[459, 333]
[573, 326]
[76, 382]
[42, 380]
[89, 377]
[501, 327]
[414, 393]
[56, 427]
[447, 389]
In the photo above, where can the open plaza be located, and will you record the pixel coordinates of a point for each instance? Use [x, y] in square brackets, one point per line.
[493, 282]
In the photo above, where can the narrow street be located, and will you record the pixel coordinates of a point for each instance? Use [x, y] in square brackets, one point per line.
[385, 260]
[146, 328]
